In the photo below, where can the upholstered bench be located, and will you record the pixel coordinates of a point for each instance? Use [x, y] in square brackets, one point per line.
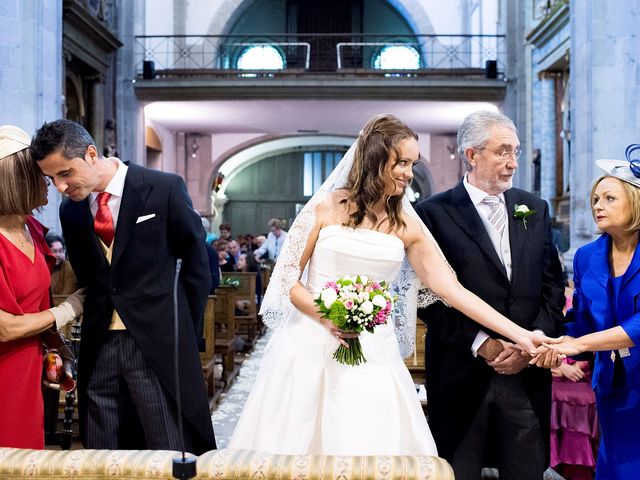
[218, 464]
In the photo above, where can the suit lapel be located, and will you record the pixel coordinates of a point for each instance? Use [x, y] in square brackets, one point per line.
[517, 236]
[134, 196]
[464, 213]
[599, 261]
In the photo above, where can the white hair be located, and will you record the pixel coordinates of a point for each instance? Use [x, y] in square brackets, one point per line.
[475, 129]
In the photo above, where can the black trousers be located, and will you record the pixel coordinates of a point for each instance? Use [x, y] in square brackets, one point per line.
[508, 412]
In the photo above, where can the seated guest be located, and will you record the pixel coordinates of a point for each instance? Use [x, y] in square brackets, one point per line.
[258, 241]
[63, 280]
[246, 242]
[225, 231]
[247, 263]
[234, 250]
[212, 256]
[225, 260]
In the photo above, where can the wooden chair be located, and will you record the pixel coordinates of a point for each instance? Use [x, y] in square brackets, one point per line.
[225, 330]
[207, 358]
[245, 305]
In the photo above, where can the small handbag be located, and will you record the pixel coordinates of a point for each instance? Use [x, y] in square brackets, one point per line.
[58, 373]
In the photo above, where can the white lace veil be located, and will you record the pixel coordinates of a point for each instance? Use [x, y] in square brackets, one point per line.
[276, 305]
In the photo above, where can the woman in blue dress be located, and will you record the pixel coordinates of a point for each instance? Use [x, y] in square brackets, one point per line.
[606, 316]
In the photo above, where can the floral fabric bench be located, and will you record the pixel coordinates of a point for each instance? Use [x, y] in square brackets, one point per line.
[218, 464]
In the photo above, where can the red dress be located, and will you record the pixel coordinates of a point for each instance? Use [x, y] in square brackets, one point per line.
[24, 288]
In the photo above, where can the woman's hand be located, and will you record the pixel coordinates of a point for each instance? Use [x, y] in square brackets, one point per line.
[530, 342]
[336, 332]
[68, 310]
[572, 372]
[568, 346]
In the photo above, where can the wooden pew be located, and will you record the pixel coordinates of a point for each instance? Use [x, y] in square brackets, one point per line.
[415, 363]
[265, 276]
[245, 304]
[207, 358]
[225, 330]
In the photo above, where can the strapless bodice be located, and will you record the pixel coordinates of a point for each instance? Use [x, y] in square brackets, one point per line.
[342, 251]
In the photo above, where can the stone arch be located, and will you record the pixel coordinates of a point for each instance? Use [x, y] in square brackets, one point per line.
[229, 11]
[236, 160]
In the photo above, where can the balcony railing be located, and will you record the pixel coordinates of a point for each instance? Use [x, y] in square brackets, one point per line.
[317, 53]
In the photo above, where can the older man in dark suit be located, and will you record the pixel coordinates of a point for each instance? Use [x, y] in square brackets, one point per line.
[483, 401]
[125, 228]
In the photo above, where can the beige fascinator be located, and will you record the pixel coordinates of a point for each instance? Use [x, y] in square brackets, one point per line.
[12, 140]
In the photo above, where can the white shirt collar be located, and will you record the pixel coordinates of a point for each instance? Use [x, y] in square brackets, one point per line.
[477, 195]
[116, 186]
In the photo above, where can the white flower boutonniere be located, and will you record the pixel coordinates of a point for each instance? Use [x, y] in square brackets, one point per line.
[522, 212]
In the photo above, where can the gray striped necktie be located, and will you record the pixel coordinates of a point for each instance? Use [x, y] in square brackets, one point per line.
[497, 215]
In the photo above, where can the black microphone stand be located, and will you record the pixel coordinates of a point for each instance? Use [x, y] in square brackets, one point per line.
[183, 468]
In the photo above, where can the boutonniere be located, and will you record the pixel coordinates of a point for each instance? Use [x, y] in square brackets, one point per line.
[522, 212]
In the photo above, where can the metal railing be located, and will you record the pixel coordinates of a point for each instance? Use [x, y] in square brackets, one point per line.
[318, 53]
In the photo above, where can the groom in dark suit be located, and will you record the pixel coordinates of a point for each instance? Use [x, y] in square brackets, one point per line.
[484, 404]
[125, 227]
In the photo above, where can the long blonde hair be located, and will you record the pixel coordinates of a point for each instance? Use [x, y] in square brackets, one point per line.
[378, 141]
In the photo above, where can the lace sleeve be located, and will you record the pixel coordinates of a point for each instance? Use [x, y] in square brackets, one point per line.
[411, 293]
[276, 305]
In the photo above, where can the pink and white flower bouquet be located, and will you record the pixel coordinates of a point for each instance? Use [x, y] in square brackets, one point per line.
[354, 304]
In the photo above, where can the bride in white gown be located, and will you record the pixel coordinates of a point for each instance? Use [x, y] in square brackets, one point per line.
[303, 401]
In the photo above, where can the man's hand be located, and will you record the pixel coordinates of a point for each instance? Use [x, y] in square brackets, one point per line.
[490, 349]
[549, 359]
[511, 360]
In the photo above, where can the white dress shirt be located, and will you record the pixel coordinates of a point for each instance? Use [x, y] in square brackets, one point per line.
[115, 187]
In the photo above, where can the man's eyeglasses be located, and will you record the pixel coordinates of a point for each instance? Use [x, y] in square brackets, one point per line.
[505, 155]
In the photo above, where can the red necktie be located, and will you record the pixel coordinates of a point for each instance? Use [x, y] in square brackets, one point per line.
[103, 224]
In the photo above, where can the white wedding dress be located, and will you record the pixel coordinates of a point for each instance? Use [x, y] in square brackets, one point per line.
[304, 402]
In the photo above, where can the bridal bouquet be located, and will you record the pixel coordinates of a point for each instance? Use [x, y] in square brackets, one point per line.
[354, 304]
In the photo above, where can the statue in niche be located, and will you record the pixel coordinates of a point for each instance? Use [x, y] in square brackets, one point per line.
[110, 143]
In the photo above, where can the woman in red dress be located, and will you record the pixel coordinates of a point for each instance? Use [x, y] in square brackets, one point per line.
[25, 262]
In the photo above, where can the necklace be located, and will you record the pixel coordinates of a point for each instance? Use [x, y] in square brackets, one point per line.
[14, 233]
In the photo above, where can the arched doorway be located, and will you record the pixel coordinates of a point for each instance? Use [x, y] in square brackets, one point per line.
[274, 179]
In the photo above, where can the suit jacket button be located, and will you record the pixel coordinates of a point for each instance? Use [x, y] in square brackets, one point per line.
[114, 290]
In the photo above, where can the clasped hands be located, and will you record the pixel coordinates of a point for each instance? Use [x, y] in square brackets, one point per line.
[535, 348]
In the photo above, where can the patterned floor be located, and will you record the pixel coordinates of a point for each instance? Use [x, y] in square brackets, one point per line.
[226, 414]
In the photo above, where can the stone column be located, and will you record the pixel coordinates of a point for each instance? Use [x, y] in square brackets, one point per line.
[545, 137]
[605, 76]
[96, 120]
[129, 113]
[31, 78]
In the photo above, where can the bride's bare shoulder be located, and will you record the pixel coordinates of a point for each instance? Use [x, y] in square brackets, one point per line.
[331, 206]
